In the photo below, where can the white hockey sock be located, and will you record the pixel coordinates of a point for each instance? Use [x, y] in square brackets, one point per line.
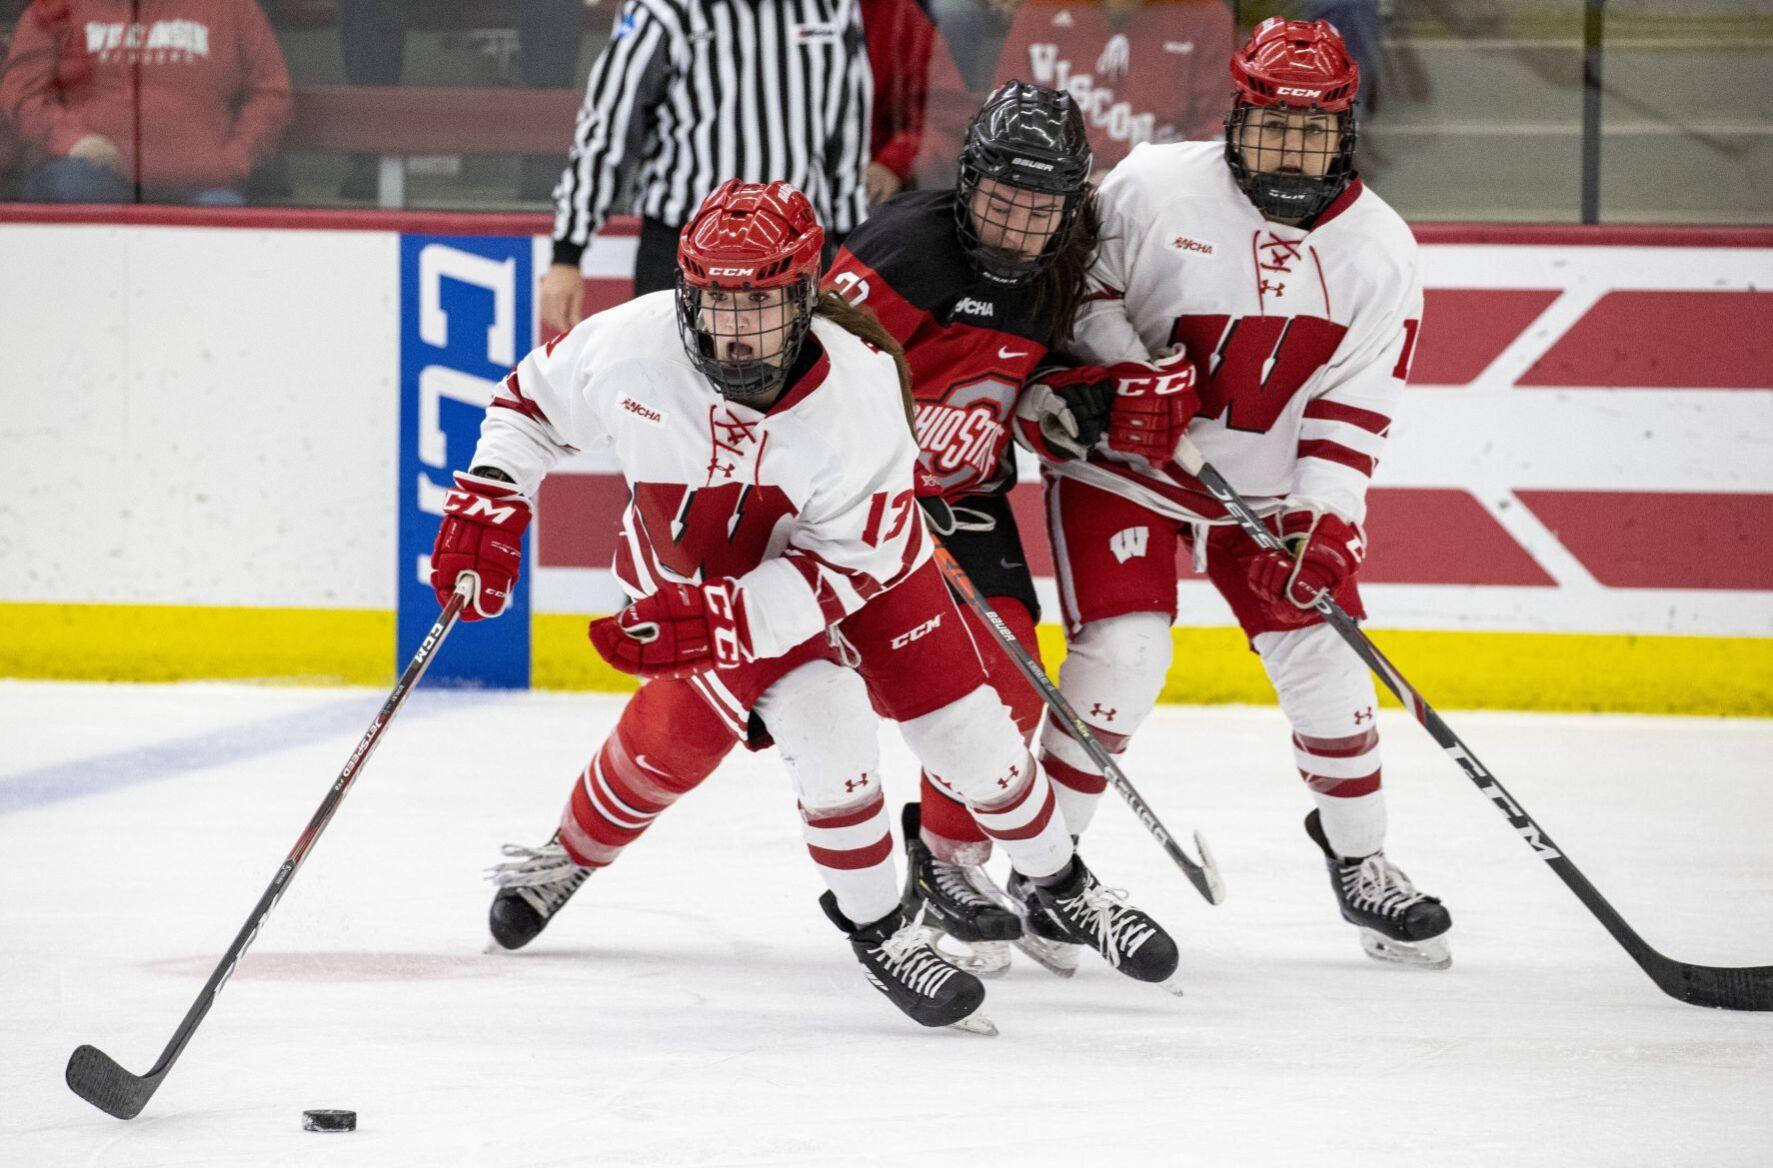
[1355, 827]
[1024, 823]
[853, 848]
[1077, 784]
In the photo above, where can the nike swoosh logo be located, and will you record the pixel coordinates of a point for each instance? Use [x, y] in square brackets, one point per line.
[1009, 354]
[1008, 566]
[645, 765]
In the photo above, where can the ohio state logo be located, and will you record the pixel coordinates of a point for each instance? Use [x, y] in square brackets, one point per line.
[963, 438]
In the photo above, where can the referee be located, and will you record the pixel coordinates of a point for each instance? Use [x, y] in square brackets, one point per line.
[690, 93]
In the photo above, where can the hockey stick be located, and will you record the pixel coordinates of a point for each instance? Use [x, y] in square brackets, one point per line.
[1204, 875]
[1722, 987]
[94, 1075]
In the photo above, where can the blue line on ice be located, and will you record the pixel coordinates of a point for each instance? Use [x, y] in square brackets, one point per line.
[217, 746]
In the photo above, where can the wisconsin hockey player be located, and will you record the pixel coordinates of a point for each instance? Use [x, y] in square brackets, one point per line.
[1296, 289]
[976, 284]
[781, 573]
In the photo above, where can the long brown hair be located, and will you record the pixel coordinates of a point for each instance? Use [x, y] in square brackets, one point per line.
[859, 321]
[1059, 290]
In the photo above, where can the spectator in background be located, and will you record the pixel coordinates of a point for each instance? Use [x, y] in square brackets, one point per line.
[214, 99]
[372, 41]
[691, 93]
[1142, 70]
[917, 87]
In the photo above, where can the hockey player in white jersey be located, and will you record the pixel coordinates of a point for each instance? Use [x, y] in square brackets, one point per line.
[777, 559]
[1294, 290]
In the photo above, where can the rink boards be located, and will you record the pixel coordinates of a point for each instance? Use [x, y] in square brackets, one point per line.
[235, 430]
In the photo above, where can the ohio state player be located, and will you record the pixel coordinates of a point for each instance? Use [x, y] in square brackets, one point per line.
[976, 283]
[1296, 289]
[771, 540]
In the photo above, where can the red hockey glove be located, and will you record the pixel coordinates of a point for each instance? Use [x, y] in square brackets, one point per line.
[1326, 552]
[482, 534]
[1062, 412]
[679, 630]
[1153, 404]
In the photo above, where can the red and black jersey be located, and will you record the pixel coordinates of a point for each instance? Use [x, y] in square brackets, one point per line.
[971, 343]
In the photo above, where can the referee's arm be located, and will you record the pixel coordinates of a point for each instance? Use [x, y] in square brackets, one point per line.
[846, 144]
[628, 79]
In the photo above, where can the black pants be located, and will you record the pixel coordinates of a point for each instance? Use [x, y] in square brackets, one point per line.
[655, 260]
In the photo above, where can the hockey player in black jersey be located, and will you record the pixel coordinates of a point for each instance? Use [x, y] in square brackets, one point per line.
[978, 284]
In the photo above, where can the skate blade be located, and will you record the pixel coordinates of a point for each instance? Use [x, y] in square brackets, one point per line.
[975, 1024]
[979, 958]
[1054, 957]
[1172, 984]
[1432, 953]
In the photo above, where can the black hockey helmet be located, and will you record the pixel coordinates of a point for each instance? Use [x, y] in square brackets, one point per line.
[1027, 140]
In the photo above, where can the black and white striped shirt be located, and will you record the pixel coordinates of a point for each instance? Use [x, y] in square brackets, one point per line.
[694, 92]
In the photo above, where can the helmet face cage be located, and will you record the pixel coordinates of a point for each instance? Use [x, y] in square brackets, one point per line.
[744, 339]
[1290, 194]
[1027, 143]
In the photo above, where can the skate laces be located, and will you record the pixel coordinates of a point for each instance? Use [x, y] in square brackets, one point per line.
[544, 876]
[907, 956]
[956, 883]
[1100, 910]
[1380, 886]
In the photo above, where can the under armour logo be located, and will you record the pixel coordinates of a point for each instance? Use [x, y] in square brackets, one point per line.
[716, 467]
[1098, 710]
[855, 784]
[1005, 781]
[1129, 543]
[1277, 289]
[1365, 715]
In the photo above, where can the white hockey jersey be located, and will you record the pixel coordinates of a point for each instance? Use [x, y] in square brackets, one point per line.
[809, 505]
[1303, 338]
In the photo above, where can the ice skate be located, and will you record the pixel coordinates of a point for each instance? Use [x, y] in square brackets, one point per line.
[533, 886]
[903, 965]
[1097, 916]
[957, 903]
[1397, 923]
[1043, 938]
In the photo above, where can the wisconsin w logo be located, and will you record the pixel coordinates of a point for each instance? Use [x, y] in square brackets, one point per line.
[1258, 362]
[1129, 543]
[709, 532]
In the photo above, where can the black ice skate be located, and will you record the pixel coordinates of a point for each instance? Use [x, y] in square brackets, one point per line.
[902, 964]
[532, 888]
[957, 902]
[1127, 939]
[1044, 937]
[1396, 923]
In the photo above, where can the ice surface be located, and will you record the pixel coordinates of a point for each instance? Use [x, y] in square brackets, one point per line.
[693, 1007]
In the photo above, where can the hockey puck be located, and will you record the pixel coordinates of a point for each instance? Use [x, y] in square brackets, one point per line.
[329, 1121]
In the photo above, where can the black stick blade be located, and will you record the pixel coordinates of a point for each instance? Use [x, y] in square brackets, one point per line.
[1743, 987]
[95, 1077]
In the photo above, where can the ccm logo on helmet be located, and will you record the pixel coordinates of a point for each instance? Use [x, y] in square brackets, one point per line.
[729, 271]
[1289, 91]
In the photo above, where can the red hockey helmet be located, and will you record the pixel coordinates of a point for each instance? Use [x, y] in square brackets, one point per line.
[744, 242]
[1300, 63]
[1295, 68]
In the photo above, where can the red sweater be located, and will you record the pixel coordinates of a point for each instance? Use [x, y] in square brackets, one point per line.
[1157, 72]
[918, 93]
[214, 90]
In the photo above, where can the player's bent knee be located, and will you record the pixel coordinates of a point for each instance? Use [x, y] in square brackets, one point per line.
[670, 724]
[967, 744]
[824, 727]
[1319, 680]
